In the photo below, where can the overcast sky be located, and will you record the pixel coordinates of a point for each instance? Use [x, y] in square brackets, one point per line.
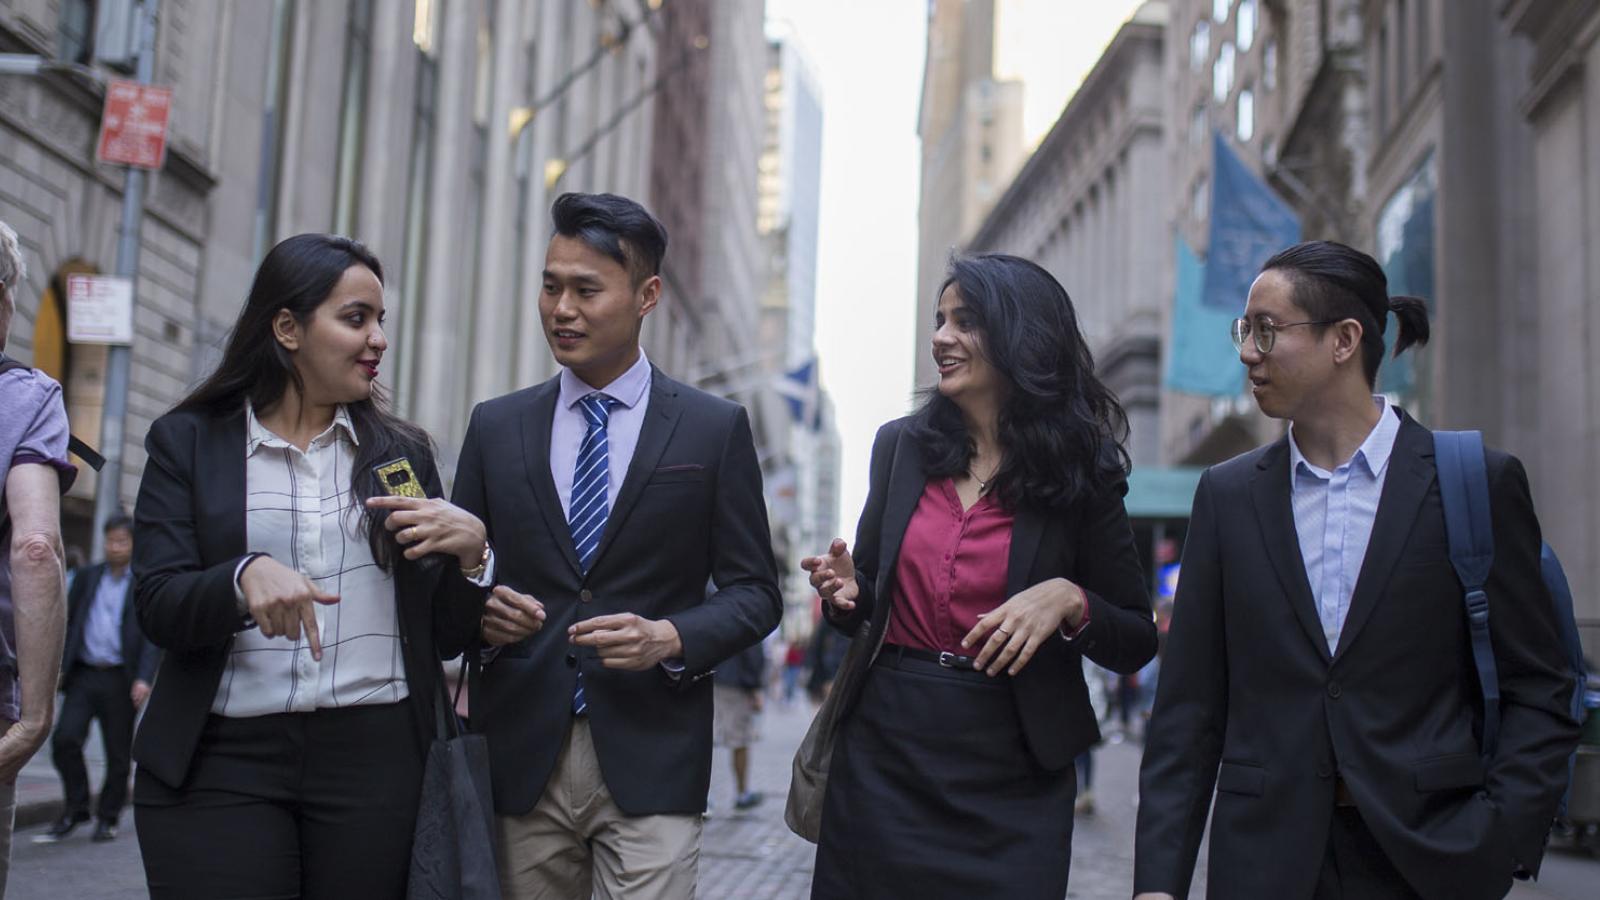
[868, 55]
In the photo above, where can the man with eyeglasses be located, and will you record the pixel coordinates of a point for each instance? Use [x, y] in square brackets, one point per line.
[1318, 671]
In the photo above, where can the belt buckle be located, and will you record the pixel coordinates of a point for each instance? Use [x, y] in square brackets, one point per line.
[947, 659]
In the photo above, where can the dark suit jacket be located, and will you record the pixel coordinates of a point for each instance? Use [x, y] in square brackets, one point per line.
[1090, 544]
[139, 656]
[1248, 682]
[189, 537]
[691, 506]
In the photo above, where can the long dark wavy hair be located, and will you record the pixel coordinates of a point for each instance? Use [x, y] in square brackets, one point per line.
[1061, 430]
[298, 275]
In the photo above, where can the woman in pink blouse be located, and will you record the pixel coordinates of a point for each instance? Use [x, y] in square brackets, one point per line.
[994, 553]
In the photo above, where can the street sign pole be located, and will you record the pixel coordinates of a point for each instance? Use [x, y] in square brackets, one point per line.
[108, 487]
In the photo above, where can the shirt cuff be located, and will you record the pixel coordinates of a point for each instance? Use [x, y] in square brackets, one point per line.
[238, 589]
[673, 667]
[487, 578]
[1071, 634]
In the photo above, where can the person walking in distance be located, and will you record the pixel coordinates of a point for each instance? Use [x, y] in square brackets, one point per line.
[740, 689]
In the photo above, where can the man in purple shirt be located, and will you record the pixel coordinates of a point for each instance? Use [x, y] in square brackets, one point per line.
[34, 471]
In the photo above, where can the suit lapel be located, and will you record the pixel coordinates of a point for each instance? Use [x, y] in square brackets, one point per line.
[906, 484]
[1269, 489]
[659, 421]
[222, 459]
[1026, 531]
[1411, 473]
[536, 424]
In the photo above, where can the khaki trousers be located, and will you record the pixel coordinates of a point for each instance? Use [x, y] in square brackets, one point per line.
[576, 844]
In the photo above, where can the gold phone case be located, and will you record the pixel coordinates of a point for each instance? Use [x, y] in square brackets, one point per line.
[398, 479]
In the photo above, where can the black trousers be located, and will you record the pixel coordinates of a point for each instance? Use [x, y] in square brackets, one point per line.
[94, 693]
[1354, 866]
[313, 805]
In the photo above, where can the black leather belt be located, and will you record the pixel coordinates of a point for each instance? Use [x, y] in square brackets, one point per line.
[944, 658]
[899, 657]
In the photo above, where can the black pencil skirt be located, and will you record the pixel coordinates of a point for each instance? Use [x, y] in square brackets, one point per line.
[932, 793]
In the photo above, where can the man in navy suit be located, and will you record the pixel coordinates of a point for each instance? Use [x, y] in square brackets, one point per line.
[106, 669]
[611, 494]
[1318, 671]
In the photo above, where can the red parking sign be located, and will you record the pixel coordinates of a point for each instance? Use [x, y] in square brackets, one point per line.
[133, 128]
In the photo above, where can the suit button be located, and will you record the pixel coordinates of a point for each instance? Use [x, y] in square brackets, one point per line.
[1324, 771]
[1333, 690]
[572, 659]
[585, 596]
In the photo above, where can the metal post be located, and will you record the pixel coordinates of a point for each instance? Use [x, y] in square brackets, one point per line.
[108, 487]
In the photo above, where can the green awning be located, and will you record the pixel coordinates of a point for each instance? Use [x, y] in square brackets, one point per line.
[1161, 492]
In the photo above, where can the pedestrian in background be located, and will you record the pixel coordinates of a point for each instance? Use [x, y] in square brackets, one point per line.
[281, 750]
[106, 669]
[794, 662]
[34, 473]
[739, 687]
[826, 653]
[1318, 669]
[994, 553]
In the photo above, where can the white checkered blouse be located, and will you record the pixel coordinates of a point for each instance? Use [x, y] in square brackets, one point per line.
[297, 509]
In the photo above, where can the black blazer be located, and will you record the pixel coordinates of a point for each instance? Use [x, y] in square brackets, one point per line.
[1248, 683]
[189, 524]
[690, 507]
[1090, 544]
[139, 656]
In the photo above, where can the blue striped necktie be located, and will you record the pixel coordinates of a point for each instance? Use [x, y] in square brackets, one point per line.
[591, 478]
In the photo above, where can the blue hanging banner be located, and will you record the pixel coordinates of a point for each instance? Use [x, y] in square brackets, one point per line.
[1200, 357]
[1249, 223]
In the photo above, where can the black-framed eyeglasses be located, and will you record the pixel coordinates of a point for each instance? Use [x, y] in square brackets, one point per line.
[1265, 331]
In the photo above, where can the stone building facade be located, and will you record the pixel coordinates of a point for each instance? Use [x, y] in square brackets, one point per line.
[435, 131]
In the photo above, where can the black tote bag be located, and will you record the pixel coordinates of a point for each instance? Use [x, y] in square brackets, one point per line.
[452, 850]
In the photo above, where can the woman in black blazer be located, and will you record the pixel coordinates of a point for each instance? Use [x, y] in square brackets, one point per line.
[993, 554]
[281, 750]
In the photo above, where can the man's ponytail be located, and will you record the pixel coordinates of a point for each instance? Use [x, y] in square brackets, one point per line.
[1412, 314]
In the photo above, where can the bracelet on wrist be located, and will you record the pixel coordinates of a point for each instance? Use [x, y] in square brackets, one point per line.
[477, 570]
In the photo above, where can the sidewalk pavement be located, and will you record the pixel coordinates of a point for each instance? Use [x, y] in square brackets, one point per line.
[746, 855]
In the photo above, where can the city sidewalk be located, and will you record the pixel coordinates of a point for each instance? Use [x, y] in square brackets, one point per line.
[748, 855]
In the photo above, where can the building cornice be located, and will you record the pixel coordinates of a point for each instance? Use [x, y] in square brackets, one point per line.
[1088, 98]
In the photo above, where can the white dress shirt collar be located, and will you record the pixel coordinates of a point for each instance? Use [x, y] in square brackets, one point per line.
[257, 434]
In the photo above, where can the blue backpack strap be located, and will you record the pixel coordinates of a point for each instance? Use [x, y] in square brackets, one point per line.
[1464, 490]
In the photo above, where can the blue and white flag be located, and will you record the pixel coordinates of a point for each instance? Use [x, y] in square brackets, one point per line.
[1200, 354]
[1249, 223]
[799, 388]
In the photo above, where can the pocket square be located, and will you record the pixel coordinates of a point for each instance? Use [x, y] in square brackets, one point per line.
[682, 467]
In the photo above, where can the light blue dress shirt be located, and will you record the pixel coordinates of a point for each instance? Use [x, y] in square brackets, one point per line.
[631, 390]
[102, 633]
[1333, 516]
